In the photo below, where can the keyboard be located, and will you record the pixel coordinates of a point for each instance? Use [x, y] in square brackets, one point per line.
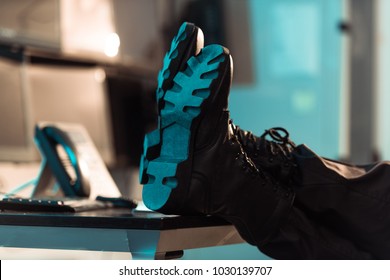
[72, 205]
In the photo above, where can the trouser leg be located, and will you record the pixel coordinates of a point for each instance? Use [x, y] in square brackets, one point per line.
[300, 237]
[340, 212]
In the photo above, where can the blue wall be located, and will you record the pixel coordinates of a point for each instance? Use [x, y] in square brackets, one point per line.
[296, 50]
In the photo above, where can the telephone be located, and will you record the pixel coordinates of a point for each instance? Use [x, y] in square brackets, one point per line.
[70, 158]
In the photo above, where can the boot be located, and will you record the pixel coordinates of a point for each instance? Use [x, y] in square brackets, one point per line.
[201, 167]
[187, 42]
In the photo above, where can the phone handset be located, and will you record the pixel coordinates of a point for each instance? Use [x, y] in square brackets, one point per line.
[62, 160]
[70, 157]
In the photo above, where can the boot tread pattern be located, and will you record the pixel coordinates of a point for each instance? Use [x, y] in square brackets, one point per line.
[172, 54]
[182, 105]
[153, 138]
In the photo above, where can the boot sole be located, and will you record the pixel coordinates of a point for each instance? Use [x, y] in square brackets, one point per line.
[183, 46]
[185, 106]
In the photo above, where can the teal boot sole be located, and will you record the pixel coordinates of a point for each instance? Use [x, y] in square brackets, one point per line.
[183, 107]
[181, 47]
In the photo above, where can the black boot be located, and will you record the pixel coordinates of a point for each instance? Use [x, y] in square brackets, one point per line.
[201, 167]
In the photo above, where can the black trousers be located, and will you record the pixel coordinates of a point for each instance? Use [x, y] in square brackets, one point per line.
[340, 211]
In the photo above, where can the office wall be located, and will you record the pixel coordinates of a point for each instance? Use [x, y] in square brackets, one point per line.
[297, 69]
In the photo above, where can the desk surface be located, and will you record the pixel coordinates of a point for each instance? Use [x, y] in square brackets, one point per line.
[110, 218]
[144, 234]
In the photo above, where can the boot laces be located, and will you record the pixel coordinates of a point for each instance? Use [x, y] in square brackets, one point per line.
[280, 143]
[283, 144]
[246, 163]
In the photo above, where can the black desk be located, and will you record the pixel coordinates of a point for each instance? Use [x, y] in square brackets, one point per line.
[146, 235]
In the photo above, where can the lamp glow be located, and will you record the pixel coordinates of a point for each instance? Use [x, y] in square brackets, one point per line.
[112, 44]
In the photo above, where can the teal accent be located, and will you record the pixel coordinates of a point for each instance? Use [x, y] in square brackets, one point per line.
[242, 251]
[156, 193]
[183, 105]
[72, 156]
[176, 139]
[152, 139]
[171, 55]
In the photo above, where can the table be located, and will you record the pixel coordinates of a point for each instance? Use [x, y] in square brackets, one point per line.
[146, 235]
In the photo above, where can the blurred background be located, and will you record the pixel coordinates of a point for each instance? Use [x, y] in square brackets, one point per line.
[316, 67]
